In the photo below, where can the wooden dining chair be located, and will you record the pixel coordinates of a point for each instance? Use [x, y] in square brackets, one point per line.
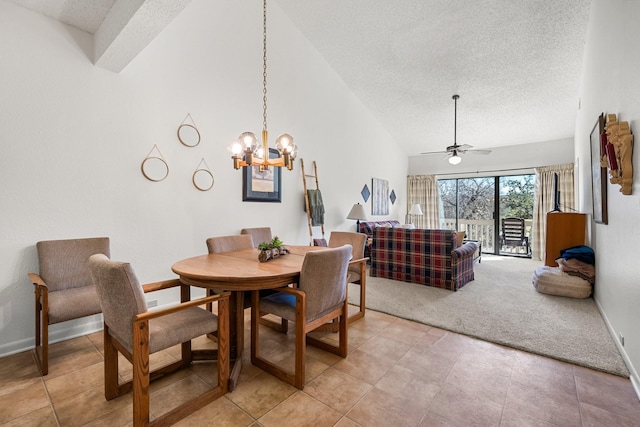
[357, 271]
[258, 234]
[136, 333]
[239, 242]
[63, 287]
[320, 297]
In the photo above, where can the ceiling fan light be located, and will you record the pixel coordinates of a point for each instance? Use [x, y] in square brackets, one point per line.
[455, 159]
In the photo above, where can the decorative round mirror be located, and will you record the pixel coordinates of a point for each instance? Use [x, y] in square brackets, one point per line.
[188, 135]
[155, 169]
[203, 179]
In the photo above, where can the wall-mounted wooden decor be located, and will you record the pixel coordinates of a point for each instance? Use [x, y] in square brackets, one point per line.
[380, 197]
[619, 152]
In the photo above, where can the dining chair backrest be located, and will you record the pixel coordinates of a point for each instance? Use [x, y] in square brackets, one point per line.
[356, 240]
[64, 264]
[258, 234]
[235, 242]
[120, 293]
[323, 278]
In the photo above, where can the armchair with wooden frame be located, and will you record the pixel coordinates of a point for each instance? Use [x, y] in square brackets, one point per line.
[321, 296]
[136, 333]
[357, 268]
[63, 287]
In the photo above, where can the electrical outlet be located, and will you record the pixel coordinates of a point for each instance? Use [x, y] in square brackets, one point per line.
[621, 339]
[152, 303]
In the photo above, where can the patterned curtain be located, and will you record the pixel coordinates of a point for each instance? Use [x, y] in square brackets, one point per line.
[543, 202]
[423, 189]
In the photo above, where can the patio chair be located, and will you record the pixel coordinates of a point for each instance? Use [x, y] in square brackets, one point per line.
[513, 233]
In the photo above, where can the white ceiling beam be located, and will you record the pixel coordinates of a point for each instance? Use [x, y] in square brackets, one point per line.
[129, 27]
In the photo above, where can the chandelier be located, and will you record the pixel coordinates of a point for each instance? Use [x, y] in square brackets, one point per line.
[245, 150]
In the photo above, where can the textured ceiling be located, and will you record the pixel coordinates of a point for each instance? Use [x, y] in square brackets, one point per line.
[515, 64]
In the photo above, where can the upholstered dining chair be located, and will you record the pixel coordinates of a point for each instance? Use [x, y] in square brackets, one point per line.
[136, 333]
[258, 234]
[357, 271]
[231, 243]
[63, 287]
[320, 297]
[239, 242]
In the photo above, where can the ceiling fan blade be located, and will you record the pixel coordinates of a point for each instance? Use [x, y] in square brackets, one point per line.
[434, 152]
[446, 156]
[484, 152]
[464, 147]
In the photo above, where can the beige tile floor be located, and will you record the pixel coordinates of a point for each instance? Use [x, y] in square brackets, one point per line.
[398, 373]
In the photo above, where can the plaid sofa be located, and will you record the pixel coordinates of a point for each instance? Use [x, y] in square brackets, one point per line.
[366, 227]
[426, 257]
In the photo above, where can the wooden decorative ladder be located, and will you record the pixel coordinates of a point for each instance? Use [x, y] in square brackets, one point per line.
[306, 197]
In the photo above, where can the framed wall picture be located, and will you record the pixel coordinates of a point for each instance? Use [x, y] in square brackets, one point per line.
[379, 197]
[598, 174]
[262, 186]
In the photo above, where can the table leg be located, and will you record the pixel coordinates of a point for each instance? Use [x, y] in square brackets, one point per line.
[236, 333]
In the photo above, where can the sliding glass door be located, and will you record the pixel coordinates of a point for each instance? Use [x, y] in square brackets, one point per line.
[469, 205]
[495, 210]
[516, 214]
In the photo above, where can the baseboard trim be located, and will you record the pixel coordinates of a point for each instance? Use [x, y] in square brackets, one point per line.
[635, 379]
[93, 324]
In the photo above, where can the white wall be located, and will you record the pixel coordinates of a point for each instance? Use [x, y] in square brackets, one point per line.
[512, 159]
[73, 136]
[610, 84]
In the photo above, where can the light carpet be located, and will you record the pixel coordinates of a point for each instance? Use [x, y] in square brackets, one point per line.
[502, 306]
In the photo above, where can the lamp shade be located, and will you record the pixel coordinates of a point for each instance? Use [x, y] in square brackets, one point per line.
[415, 210]
[357, 212]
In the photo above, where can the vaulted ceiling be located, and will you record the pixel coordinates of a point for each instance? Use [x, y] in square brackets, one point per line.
[515, 64]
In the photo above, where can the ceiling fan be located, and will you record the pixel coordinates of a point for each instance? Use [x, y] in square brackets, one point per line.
[453, 151]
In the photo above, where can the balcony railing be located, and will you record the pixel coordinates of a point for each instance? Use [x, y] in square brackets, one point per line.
[484, 231]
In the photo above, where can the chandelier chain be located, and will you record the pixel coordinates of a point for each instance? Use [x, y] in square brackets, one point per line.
[264, 66]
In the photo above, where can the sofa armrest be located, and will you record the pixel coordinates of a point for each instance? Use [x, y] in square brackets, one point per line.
[466, 251]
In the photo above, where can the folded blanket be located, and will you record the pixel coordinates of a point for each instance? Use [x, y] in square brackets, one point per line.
[575, 267]
[316, 207]
[582, 253]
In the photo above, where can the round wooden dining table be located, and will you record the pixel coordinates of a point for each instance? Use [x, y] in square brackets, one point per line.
[237, 272]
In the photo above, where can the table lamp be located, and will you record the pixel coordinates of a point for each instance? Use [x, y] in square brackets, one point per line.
[415, 210]
[357, 212]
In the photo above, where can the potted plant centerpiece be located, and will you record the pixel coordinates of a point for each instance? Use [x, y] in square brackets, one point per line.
[272, 249]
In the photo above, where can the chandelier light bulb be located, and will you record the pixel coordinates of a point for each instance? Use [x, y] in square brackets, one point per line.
[236, 148]
[248, 140]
